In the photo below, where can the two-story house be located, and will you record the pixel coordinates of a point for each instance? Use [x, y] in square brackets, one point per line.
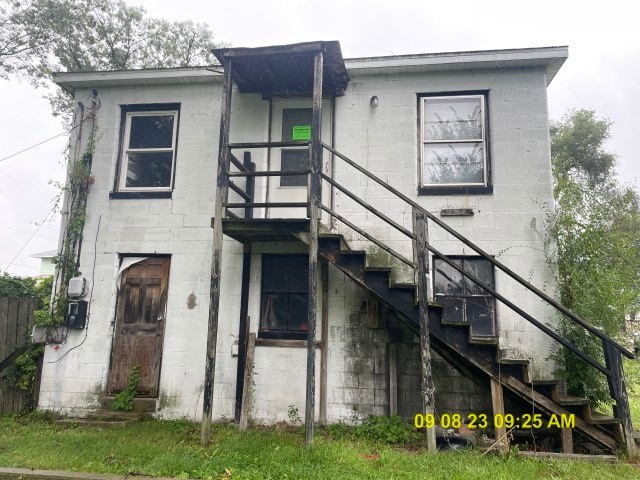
[358, 207]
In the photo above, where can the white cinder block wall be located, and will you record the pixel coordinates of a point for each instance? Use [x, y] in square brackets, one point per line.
[382, 139]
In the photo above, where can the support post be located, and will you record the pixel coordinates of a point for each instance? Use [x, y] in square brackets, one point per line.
[246, 384]
[392, 358]
[243, 329]
[567, 440]
[497, 401]
[422, 261]
[324, 346]
[315, 195]
[222, 189]
[618, 391]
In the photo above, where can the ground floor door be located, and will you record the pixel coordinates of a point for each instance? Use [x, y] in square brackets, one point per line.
[139, 332]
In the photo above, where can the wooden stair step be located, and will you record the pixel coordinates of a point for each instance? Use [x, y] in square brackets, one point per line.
[91, 422]
[568, 401]
[483, 340]
[375, 268]
[568, 456]
[405, 286]
[602, 419]
[514, 361]
[547, 382]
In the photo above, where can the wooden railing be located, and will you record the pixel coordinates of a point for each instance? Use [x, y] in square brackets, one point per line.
[612, 350]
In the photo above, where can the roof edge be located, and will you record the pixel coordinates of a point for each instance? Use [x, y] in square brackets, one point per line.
[70, 81]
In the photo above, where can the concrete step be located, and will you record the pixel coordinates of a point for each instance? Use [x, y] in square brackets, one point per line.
[139, 404]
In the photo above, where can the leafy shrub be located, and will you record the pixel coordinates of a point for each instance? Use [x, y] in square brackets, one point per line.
[124, 400]
[391, 430]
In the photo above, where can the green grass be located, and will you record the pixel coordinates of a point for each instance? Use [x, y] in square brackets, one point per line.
[632, 376]
[173, 449]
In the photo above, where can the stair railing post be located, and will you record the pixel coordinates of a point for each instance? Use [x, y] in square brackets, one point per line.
[222, 191]
[618, 391]
[314, 199]
[422, 261]
[251, 183]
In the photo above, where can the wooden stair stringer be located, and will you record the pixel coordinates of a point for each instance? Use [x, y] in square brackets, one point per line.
[549, 407]
[451, 342]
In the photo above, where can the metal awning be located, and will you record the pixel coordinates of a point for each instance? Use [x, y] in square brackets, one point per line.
[286, 70]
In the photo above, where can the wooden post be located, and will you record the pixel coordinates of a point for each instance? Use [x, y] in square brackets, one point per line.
[567, 440]
[251, 183]
[422, 261]
[243, 329]
[246, 384]
[315, 195]
[392, 358]
[222, 188]
[324, 346]
[618, 391]
[497, 401]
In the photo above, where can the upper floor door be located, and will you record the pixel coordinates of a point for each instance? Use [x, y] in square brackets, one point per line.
[291, 121]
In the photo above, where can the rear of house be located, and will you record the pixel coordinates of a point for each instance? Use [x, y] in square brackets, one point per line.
[462, 140]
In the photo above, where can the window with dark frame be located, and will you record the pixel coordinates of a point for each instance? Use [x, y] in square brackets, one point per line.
[284, 296]
[453, 151]
[296, 125]
[148, 149]
[463, 300]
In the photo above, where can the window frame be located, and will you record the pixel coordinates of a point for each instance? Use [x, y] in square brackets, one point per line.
[120, 190]
[483, 187]
[464, 296]
[289, 334]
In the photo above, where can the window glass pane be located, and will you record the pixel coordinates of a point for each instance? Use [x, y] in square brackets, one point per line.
[453, 309]
[452, 119]
[453, 163]
[151, 131]
[447, 279]
[297, 159]
[298, 312]
[481, 269]
[149, 169]
[275, 274]
[479, 313]
[299, 270]
[295, 117]
[275, 311]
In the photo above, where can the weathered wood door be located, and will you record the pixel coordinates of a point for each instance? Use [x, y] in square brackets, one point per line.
[139, 333]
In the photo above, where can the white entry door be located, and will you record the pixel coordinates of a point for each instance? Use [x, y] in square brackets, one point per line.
[291, 120]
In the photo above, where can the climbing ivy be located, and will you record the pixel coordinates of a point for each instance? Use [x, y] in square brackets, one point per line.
[76, 191]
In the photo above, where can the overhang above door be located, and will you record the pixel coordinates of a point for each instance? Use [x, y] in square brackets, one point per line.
[286, 70]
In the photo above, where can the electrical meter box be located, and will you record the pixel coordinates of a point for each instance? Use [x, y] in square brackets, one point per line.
[77, 315]
[77, 287]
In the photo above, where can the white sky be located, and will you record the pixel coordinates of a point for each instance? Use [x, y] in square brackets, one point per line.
[602, 74]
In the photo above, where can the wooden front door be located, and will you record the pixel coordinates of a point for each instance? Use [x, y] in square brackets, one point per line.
[139, 332]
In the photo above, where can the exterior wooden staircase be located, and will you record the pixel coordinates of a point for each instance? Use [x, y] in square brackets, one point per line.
[477, 357]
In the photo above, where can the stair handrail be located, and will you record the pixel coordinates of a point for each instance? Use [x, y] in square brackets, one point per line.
[539, 293]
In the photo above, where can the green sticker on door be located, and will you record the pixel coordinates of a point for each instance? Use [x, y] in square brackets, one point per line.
[301, 132]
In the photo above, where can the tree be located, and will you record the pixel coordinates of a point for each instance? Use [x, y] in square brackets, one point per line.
[19, 49]
[39, 37]
[595, 229]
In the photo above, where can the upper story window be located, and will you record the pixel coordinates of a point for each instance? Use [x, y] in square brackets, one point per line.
[148, 149]
[454, 153]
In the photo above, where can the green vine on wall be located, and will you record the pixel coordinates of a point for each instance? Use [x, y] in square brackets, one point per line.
[75, 192]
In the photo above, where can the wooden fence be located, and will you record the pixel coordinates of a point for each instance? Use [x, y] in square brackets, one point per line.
[16, 321]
